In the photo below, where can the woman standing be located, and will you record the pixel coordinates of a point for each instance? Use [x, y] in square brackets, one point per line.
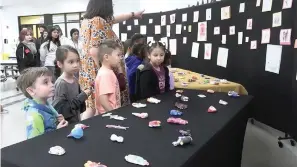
[74, 33]
[97, 26]
[26, 53]
[48, 49]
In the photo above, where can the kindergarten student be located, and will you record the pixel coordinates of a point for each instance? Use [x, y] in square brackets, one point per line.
[154, 77]
[69, 100]
[41, 117]
[107, 90]
[127, 48]
[167, 62]
[139, 52]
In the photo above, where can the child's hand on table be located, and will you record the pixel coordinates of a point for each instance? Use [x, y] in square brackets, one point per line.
[62, 124]
[60, 118]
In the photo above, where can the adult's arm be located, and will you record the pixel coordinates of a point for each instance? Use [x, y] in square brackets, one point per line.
[127, 16]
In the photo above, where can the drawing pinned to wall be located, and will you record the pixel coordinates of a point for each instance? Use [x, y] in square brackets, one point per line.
[168, 30]
[195, 16]
[241, 7]
[150, 21]
[149, 39]
[247, 39]
[184, 40]
[285, 37]
[207, 51]
[123, 36]
[172, 46]
[202, 31]
[265, 36]
[129, 28]
[295, 46]
[267, 5]
[195, 50]
[232, 30]
[216, 31]
[124, 22]
[178, 29]
[258, 3]
[277, 19]
[136, 22]
[240, 37]
[172, 18]
[287, 4]
[143, 30]
[224, 39]
[249, 24]
[163, 20]
[157, 29]
[225, 13]
[164, 40]
[185, 28]
[273, 58]
[222, 58]
[208, 14]
[189, 28]
[254, 44]
[184, 17]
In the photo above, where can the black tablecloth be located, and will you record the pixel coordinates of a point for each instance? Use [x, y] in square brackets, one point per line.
[217, 137]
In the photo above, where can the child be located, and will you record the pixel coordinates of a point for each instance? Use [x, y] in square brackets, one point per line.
[41, 117]
[107, 90]
[127, 47]
[167, 62]
[139, 52]
[154, 77]
[69, 100]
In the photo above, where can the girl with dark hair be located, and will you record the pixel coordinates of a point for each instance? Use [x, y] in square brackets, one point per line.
[48, 49]
[97, 26]
[154, 77]
[69, 100]
[74, 33]
[26, 53]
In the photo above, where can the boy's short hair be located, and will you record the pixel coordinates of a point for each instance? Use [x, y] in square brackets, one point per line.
[107, 47]
[135, 38]
[127, 45]
[29, 76]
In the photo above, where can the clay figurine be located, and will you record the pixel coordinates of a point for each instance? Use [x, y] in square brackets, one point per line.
[141, 115]
[201, 96]
[153, 100]
[57, 150]
[77, 132]
[210, 91]
[134, 159]
[154, 124]
[82, 126]
[138, 105]
[212, 109]
[185, 132]
[223, 102]
[116, 138]
[93, 164]
[175, 113]
[183, 140]
[233, 94]
[177, 121]
[181, 106]
[179, 91]
[117, 127]
[184, 98]
[177, 95]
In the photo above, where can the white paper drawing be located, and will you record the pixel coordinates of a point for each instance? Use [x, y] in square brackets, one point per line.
[150, 21]
[225, 13]
[273, 58]
[157, 29]
[241, 7]
[254, 44]
[285, 37]
[143, 30]
[124, 22]
[185, 17]
[190, 28]
[208, 14]
[202, 31]
[222, 58]
[136, 22]
[240, 37]
[163, 20]
[204, 1]
[195, 16]
[224, 39]
[258, 3]
[195, 50]
[164, 40]
[184, 40]
[129, 28]
[287, 4]
[185, 28]
[249, 24]
[232, 30]
[277, 19]
[216, 31]
[265, 36]
[168, 30]
[123, 36]
[295, 46]
[172, 18]
[247, 39]
[207, 51]
[150, 39]
[267, 5]
[178, 29]
[172, 46]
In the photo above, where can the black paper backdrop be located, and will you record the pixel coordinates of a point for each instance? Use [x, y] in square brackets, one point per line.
[273, 93]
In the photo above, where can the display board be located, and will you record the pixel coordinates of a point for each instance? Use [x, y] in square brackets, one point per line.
[236, 50]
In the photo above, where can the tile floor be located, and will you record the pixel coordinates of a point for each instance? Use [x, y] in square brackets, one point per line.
[260, 146]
